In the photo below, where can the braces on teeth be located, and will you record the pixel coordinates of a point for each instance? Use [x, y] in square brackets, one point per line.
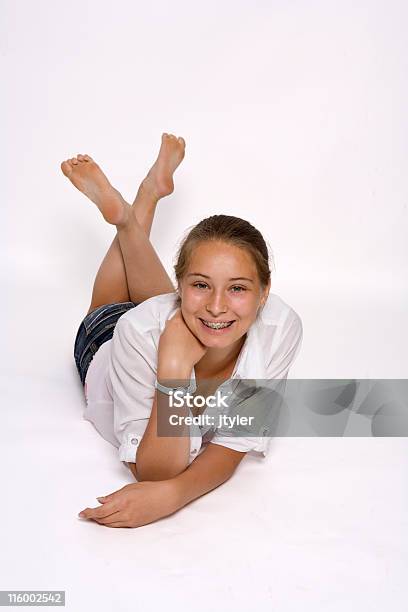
[217, 325]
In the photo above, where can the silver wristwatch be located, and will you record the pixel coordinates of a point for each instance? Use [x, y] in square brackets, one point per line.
[191, 388]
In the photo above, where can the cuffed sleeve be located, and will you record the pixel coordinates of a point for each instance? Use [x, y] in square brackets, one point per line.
[195, 442]
[243, 445]
[132, 371]
[131, 441]
[252, 416]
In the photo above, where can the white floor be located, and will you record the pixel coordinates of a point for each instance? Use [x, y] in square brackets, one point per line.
[321, 524]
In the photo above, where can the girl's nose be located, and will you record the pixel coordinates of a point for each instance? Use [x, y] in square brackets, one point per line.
[217, 305]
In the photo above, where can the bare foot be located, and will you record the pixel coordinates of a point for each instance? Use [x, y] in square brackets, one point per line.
[159, 179]
[87, 176]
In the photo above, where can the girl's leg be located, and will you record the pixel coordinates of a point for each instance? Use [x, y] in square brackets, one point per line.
[110, 284]
[131, 269]
[145, 273]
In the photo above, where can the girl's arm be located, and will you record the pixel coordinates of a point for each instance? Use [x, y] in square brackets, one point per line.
[215, 465]
[162, 458]
[142, 503]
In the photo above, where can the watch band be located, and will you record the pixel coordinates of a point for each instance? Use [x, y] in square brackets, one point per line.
[168, 390]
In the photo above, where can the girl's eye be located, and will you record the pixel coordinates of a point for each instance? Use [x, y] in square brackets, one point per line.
[235, 288]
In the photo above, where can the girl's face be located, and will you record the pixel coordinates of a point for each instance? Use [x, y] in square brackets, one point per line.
[220, 293]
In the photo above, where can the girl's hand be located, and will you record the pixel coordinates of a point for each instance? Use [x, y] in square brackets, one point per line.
[179, 349]
[135, 505]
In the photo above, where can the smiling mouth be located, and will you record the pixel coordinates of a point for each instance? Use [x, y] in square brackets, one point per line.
[218, 325]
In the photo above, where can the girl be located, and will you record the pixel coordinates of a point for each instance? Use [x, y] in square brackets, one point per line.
[220, 326]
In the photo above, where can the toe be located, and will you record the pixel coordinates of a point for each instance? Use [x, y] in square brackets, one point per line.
[74, 161]
[66, 168]
[182, 141]
[87, 157]
[80, 157]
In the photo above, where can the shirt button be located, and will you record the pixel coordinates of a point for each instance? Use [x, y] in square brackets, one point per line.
[134, 441]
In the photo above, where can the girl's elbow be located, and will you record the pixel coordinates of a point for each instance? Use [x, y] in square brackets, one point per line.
[157, 472]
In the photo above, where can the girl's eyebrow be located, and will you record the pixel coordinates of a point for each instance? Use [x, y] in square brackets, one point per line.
[231, 279]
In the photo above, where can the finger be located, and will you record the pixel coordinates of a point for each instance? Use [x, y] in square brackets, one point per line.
[113, 518]
[117, 524]
[104, 498]
[98, 513]
[101, 511]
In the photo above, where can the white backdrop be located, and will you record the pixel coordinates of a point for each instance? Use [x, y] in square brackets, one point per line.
[294, 118]
[294, 115]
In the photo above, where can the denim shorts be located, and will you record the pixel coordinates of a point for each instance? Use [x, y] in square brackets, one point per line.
[95, 329]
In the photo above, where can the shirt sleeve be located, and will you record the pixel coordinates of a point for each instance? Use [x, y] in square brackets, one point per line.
[132, 372]
[270, 396]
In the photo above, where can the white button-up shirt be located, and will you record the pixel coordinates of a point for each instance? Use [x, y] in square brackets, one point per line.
[120, 382]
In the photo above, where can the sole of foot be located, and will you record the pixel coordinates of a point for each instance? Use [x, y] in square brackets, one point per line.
[85, 174]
